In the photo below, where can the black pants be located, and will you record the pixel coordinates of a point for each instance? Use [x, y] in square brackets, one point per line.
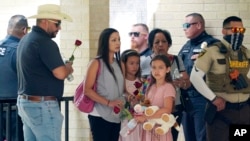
[103, 130]
[219, 130]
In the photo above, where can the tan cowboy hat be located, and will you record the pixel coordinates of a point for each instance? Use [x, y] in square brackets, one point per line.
[51, 11]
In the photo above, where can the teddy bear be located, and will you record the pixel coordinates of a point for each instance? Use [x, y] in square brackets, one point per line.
[166, 121]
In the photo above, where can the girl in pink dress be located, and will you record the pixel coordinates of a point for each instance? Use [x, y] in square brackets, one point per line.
[131, 69]
[161, 93]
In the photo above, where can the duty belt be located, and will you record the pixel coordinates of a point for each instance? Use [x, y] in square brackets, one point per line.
[237, 106]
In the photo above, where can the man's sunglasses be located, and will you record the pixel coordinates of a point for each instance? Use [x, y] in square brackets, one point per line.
[237, 29]
[57, 23]
[187, 25]
[136, 34]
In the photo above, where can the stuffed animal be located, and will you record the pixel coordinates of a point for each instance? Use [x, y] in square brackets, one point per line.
[166, 121]
[140, 108]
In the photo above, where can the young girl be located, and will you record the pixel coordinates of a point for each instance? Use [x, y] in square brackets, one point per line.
[161, 93]
[160, 41]
[131, 66]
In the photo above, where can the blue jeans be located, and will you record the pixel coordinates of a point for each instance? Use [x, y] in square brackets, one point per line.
[193, 121]
[42, 121]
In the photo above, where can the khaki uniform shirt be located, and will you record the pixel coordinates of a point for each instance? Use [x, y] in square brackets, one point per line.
[207, 62]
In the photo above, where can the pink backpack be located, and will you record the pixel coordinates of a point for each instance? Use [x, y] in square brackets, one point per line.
[81, 101]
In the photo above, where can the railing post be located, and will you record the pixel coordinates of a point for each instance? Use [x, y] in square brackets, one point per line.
[8, 121]
[66, 120]
[1, 121]
[66, 100]
[6, 107]
[8, 111]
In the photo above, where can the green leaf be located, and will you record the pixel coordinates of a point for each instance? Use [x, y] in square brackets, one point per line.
[125, 114]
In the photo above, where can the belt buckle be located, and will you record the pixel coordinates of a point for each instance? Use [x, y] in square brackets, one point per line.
[23, 96]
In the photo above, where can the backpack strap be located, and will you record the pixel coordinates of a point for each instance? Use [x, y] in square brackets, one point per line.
[99, 68]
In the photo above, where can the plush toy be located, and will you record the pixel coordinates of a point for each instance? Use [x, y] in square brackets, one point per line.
[166, 121]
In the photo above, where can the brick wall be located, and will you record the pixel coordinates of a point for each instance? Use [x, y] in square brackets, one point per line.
[170, 14]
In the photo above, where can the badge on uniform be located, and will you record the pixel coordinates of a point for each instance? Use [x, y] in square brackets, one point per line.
[202, 53]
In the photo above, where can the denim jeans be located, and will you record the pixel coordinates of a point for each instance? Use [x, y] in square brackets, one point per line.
[42, 121]
[193, 121]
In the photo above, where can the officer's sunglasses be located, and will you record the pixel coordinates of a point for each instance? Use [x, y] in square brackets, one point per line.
[57, 23]
[136, 34]
[187, 25]
[236, 29]
[27, 28]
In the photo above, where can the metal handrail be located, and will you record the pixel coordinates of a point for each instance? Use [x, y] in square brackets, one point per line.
[8, 105]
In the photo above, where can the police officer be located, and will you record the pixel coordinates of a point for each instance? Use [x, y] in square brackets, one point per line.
[194, 103]
[227, 72]
[17, 28]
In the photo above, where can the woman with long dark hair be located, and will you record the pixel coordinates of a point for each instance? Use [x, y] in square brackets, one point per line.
[105, 70]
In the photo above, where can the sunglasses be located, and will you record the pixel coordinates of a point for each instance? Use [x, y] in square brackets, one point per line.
[57, 23]
[27, 28]
[187, 25]
[136, 34]
[237, 29]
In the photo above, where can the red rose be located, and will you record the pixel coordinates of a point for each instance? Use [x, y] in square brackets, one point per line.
[78, 43]
[116, 110]
[138, 84]
[136, 92]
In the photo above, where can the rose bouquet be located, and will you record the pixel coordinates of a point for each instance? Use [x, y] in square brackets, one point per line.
[141, 88]
[137, 98]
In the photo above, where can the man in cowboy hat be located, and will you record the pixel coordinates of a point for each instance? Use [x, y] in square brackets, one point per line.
[41, 74]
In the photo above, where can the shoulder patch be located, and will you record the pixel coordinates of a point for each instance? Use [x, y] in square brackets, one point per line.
[202, 53]
[2, 51]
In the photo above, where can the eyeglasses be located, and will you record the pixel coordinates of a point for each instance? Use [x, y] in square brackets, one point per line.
[237, 29]
[187, 25]
[136, 34]
[57, 23]
[27, 28]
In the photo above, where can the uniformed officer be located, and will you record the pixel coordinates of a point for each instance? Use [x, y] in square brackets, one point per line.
[193, 118]
[227, 74]
[17, 28]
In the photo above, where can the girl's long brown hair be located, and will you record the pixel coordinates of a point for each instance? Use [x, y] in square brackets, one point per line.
[168, 77]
